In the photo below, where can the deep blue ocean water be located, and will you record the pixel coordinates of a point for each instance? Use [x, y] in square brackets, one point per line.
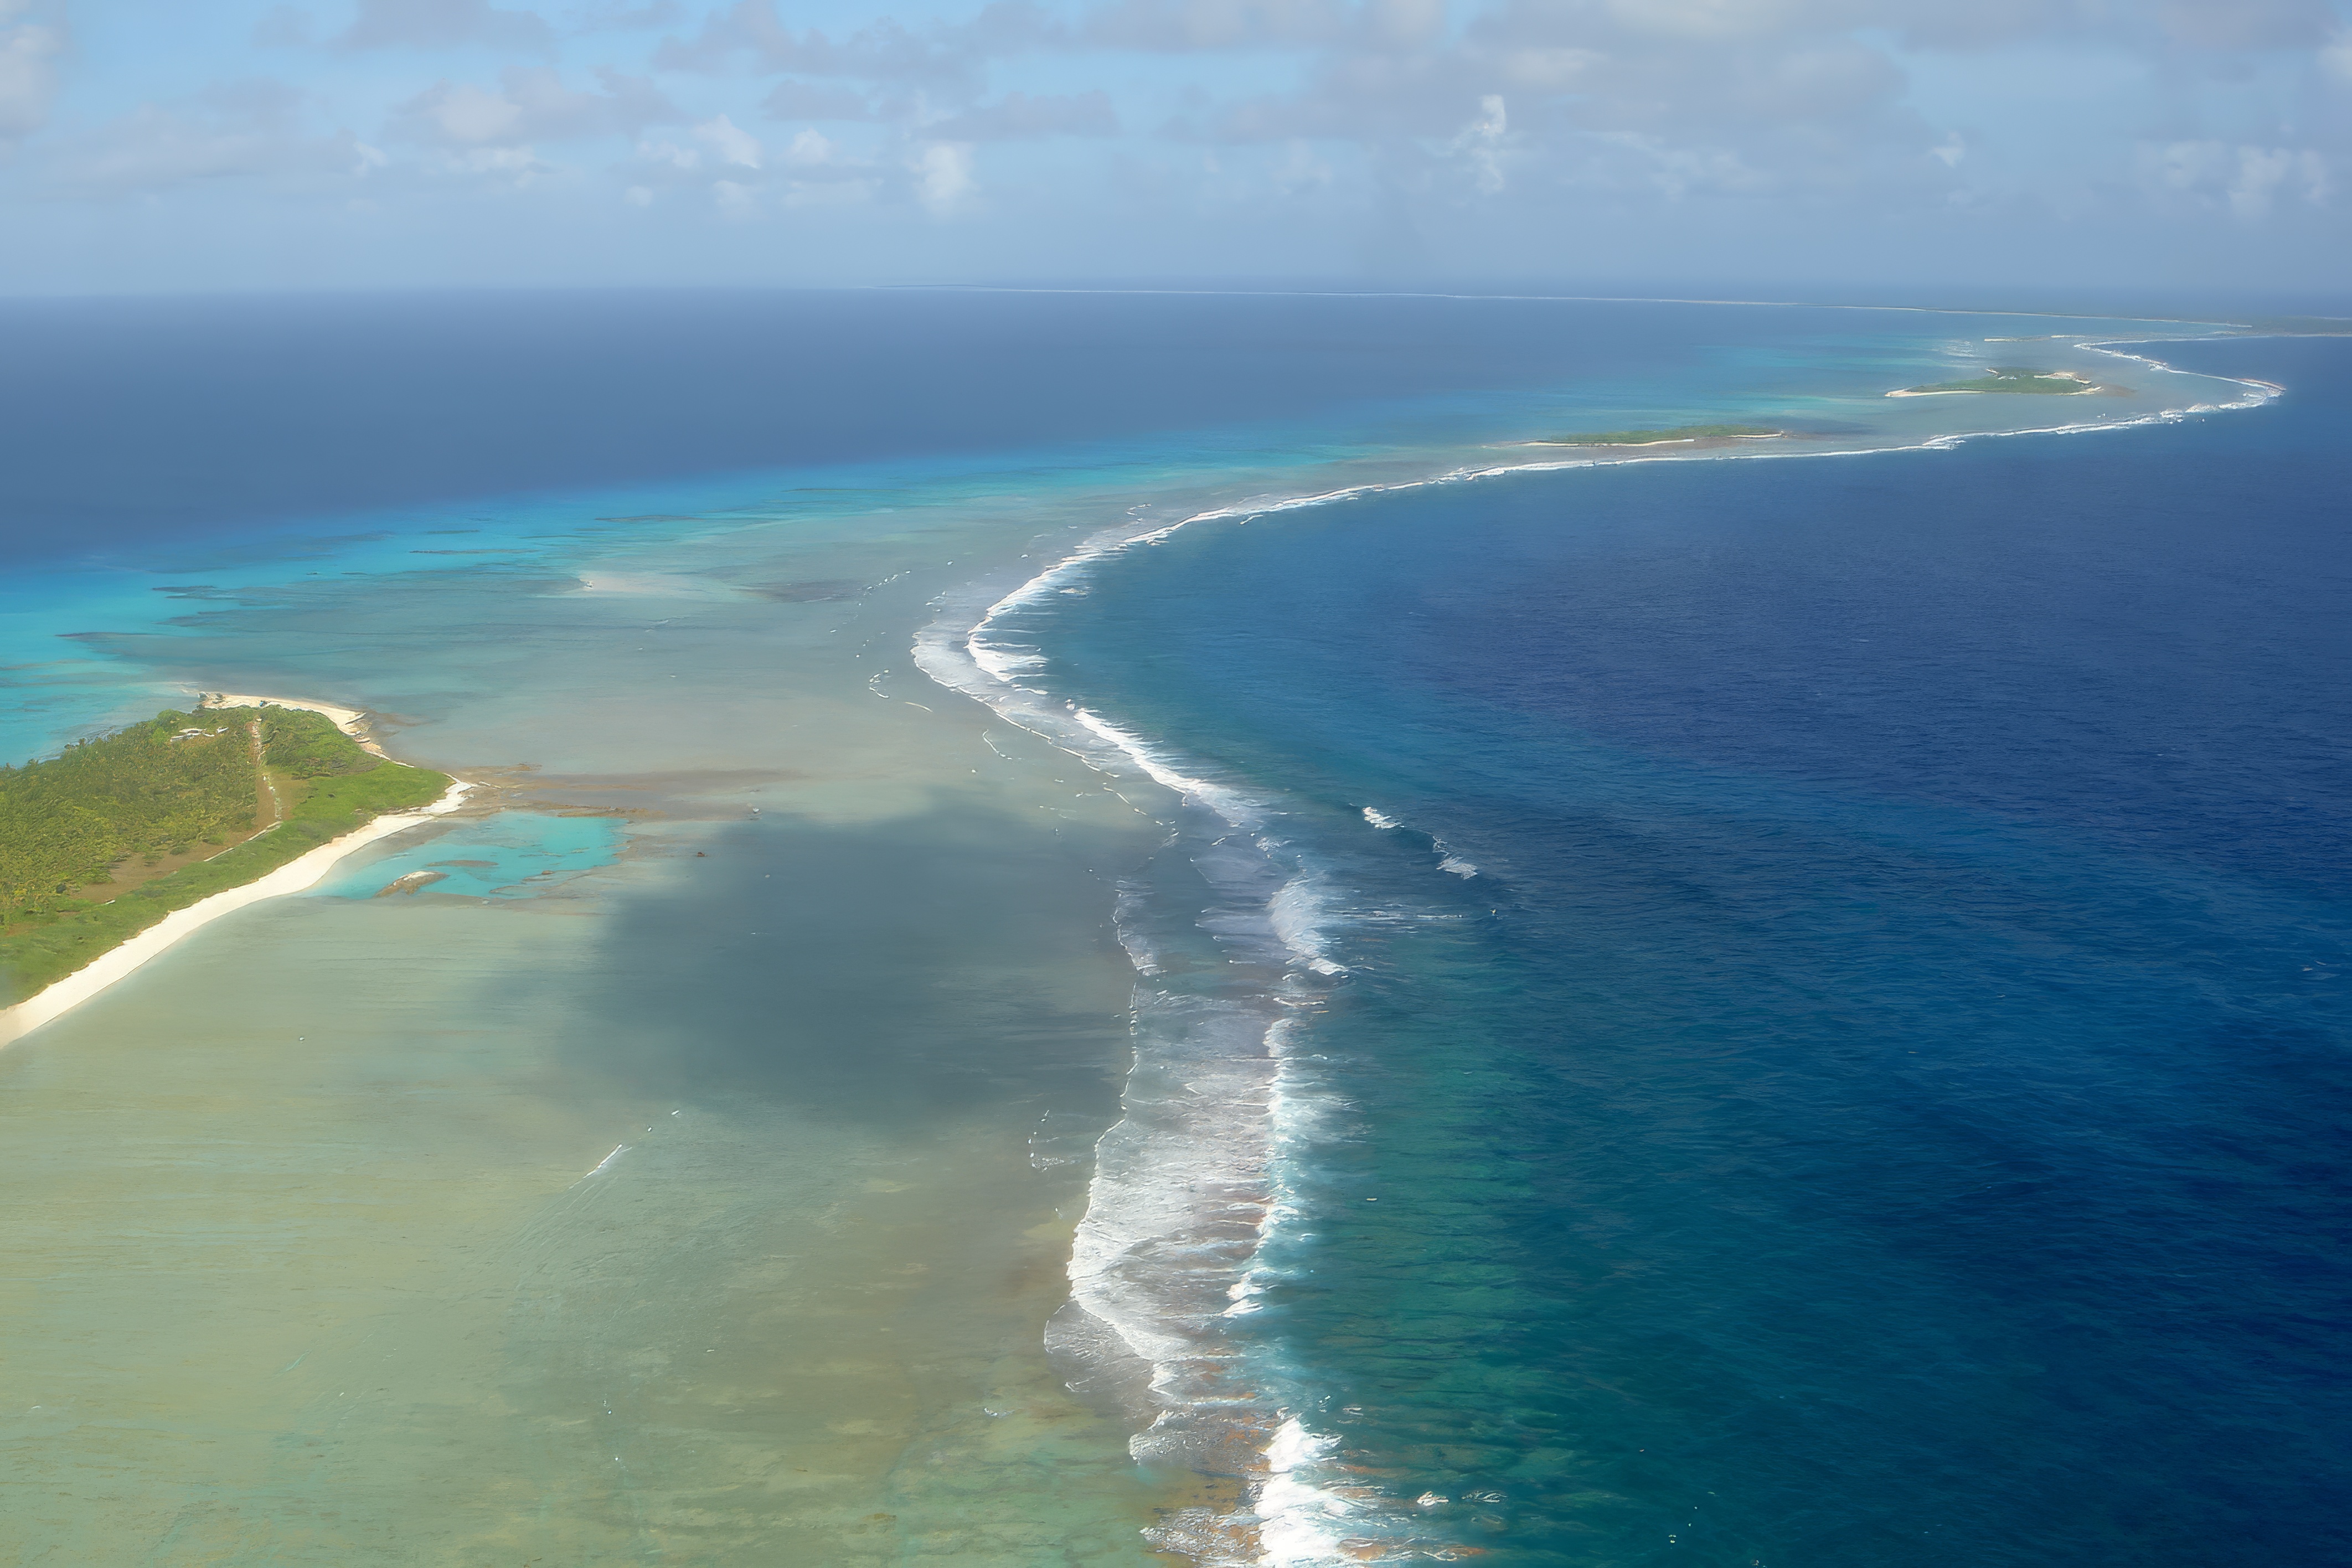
[1886, 1095]
[139, 425]
[215, 445]
[1878, 1094]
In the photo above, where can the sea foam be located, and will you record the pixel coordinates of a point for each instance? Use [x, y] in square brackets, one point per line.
[1188, 1196]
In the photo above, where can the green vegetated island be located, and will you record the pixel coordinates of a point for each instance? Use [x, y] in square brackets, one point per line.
[1662, 438]
[2049, 383]
[104, 840]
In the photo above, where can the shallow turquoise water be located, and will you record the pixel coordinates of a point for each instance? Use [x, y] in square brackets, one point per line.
[861, 944]
[104, 620]
[512, 855]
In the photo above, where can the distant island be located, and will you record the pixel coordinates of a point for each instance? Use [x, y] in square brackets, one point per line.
[105, 840]
[2046, 383]
[1662, 438]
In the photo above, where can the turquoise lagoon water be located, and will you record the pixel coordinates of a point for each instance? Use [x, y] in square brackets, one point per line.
[1191, 1101]
[512, 855]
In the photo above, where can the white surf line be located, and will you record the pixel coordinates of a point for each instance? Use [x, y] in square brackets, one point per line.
[1115, 541]
[62, 997]
[1004, 665]
[1277, 1493]
[2267, 389]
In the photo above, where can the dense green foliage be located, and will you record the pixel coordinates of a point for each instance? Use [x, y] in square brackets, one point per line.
[65, 824]
[151, 788]
[343, 803]
[2014, 379]
[309, 746]
[1647, 437]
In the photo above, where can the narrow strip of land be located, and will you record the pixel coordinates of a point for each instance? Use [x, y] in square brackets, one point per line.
[1678, 435]
[123, 844]
[2041, 383]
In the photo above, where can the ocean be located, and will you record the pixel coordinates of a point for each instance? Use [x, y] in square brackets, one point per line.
[1115, 928]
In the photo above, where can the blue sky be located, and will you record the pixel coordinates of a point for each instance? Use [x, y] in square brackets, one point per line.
[195, 145]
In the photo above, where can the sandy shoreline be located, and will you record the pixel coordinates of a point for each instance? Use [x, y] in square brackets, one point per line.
[352, 721]
[62, 997]
[2088, 386]
[1695, 441]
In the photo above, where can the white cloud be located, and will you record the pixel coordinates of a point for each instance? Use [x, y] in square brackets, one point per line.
[1678, 99]
[283, 27]
[1628, 161]
[1735, 21]
[29, 53]
[242, 131]
[732, 144]
[531, 104]
[1466, 120]
[1836, 80]
[743, 178]
[940, 57]
[668, 158]
[2259, 172]
[812, 101]
[824, 175]
[1550, 69]
[1993, 24]
[1480, 142]
[1299, 172]
[2190, 165]
[1184, 25]
[1020, 116]
[495, 135]
[611, 17]
[2248, 181]
[943, 177]
[2336, 59]
[465, 113]
[516, 167]
[2263, 172]
[1404, 24]
[441, 24]
[2245, 24]
[811, 151]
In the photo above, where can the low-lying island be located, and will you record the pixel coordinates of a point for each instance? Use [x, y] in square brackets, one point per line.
[120, 846]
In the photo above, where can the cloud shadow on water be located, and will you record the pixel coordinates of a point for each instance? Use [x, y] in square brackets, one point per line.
[889, 972]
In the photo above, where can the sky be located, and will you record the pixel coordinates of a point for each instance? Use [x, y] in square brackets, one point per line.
[177, 145]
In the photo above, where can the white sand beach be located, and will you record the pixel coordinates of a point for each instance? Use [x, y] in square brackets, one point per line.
[53, 1001]
[352, 721]
[2088, 386]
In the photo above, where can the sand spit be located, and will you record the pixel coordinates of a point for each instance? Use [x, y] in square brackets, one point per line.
[2088, 386]
[352, 721]
[62, 997]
